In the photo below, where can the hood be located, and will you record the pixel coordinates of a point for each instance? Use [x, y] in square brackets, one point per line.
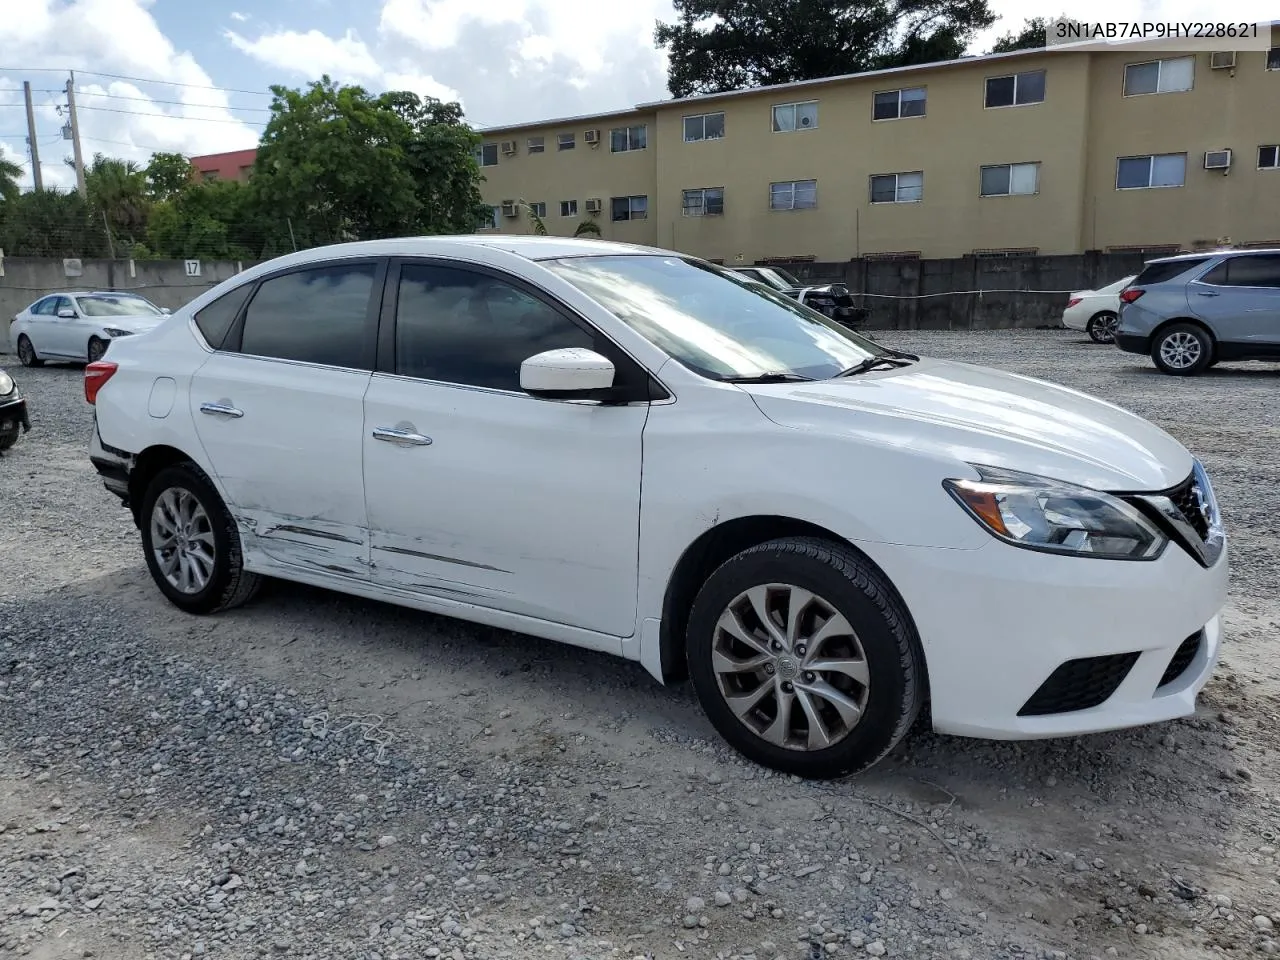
[977, 415]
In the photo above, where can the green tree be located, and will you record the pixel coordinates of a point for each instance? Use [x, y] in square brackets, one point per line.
[210, 221]
[718, 45]
[167, 174]
[118, 189]
[1029, 37]
[47, 223]
[587, 228]
[10, 172]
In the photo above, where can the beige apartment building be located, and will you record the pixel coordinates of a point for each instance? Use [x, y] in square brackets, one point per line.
[1048, 152]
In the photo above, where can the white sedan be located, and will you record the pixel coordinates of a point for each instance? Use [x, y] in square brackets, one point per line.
[79, 326]
[1096, 312]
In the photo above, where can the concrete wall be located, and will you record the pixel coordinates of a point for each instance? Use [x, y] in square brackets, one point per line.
[165, 283]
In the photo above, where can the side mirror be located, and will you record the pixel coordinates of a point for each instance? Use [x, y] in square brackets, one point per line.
[165, 311]
[66, 313]
[572, 373]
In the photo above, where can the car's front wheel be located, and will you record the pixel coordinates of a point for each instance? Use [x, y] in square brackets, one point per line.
[1183, 350]
[97, 348]
[804, 658]
[1102, 327]
[27, 353]
[191, 543]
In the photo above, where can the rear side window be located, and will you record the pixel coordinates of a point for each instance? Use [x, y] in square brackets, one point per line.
[216, 319]
[45, 307]
[1160, 272]
[312, 316]
[1262, 270]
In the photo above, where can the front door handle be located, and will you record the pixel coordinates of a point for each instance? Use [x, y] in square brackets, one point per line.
[1207, 293]
[221, 410]
[396, 435]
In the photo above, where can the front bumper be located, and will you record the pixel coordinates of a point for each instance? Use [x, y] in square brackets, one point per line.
[14, 417]
[1024, 645]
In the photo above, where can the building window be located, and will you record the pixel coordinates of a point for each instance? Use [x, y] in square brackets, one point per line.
[566, 141]
[1273, 58]
[1269, 157]
[795, 116]
[491, 222]
[629, 208]
[568, 208]
[703, 202]
[487, 155]
[704, 126]
[624, 139]
[793, 195]
[1011, 179]
[898, 187]
[1016, 90]
[536, 145]
[246, 171]
[897, 104]
[539, 210]
[209, 176]
[1158, 170]
[1159, 76]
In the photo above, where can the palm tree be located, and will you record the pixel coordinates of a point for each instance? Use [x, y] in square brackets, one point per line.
[9, 174]
[588, 228]
[535, 221]
[118, 188]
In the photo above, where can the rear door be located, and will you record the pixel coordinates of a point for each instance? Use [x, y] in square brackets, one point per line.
[1240, 300]
[280, 407]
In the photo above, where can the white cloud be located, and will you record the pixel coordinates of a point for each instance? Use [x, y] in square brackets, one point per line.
[312, 53]
[239, 17]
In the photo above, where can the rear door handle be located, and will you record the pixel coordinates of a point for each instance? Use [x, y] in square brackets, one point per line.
[221, 410]
[405, 437]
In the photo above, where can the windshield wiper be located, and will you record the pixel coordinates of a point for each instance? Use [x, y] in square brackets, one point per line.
[862, 366]
[898, 353]
[778, 377]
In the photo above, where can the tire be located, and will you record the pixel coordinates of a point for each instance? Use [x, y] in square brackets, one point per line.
[1182, 350]
[27, 353]
[6, 443]
[1102, 327]
[97, 348]
[227, 583]
[883, 646]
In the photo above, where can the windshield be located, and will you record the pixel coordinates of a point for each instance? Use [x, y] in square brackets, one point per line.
[713, 321]
[786, 278]
[108, 306]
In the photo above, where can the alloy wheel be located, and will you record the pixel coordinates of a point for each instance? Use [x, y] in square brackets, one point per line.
[182, 540]
[1104, 327]
[790, 667]
[26, 353]
[1181, 350]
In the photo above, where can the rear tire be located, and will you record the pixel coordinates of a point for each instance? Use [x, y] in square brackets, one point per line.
[191, 543]
[27, 353]
[835, 679]
[1102, 327]
[1182, 350]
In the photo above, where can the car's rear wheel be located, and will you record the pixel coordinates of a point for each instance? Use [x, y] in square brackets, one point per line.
[97, 348]
[1182, 350]
[27, 353]
[804, 659]
[191, 543]
[1102, 327]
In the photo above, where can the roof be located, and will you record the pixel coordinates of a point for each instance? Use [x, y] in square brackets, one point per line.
[1215, 253]
[561, 121]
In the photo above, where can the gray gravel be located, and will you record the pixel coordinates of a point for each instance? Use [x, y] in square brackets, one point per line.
[319, 776]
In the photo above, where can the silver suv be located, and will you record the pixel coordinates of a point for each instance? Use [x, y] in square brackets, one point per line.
[1192, 311]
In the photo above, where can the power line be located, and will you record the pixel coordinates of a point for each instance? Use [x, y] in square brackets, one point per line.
[118, 76]
[170, 116]
[180, 103]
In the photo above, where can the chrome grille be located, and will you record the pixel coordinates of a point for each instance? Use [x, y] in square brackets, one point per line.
[1189, 500]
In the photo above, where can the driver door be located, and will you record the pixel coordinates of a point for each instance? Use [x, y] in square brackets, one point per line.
[48, 331]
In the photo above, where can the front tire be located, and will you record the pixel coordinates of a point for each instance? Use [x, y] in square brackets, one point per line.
[27, 353]
[804, 659]
[1182, 350]
[191, 543]
[97, 348]
[1102, 327]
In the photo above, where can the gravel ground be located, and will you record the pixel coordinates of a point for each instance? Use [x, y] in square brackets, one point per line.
[319, 776]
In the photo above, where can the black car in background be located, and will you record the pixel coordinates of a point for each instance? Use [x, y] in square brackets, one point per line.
[833, 299]
[13, 412]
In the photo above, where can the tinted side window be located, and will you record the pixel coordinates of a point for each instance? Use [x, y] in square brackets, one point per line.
[315, 316]
[1256, 271]
[460, 326]
[215, 319]
[1160, 272]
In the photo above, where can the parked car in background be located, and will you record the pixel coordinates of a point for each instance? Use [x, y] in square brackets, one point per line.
[1096, 312]
[14, 420]
[79, 326]
[1192, 311]
[832, 299]
[626, 449]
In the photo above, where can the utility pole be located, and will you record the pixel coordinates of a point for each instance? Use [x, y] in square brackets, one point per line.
[75, 133]
[31, 137]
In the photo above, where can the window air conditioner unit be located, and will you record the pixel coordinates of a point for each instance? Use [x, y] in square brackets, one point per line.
[1223, 60]
[592, 136]
[510, 208]
[508, 147]
[593, 205]
[1217, 160]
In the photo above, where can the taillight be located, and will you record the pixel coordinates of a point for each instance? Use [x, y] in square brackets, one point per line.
[96, 375]
[1073, 301]
[1130, 295]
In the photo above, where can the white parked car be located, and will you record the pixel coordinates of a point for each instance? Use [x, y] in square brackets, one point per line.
[637, 452]
[1096, 312]
[79, 326]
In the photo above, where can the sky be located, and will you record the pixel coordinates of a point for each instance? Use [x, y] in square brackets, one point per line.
[192, 76]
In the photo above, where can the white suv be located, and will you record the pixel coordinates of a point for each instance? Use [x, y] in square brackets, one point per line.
[634, 451]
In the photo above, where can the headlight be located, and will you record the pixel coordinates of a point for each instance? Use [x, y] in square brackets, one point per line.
[1055, 517]
[116, 332]
[6, 384]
